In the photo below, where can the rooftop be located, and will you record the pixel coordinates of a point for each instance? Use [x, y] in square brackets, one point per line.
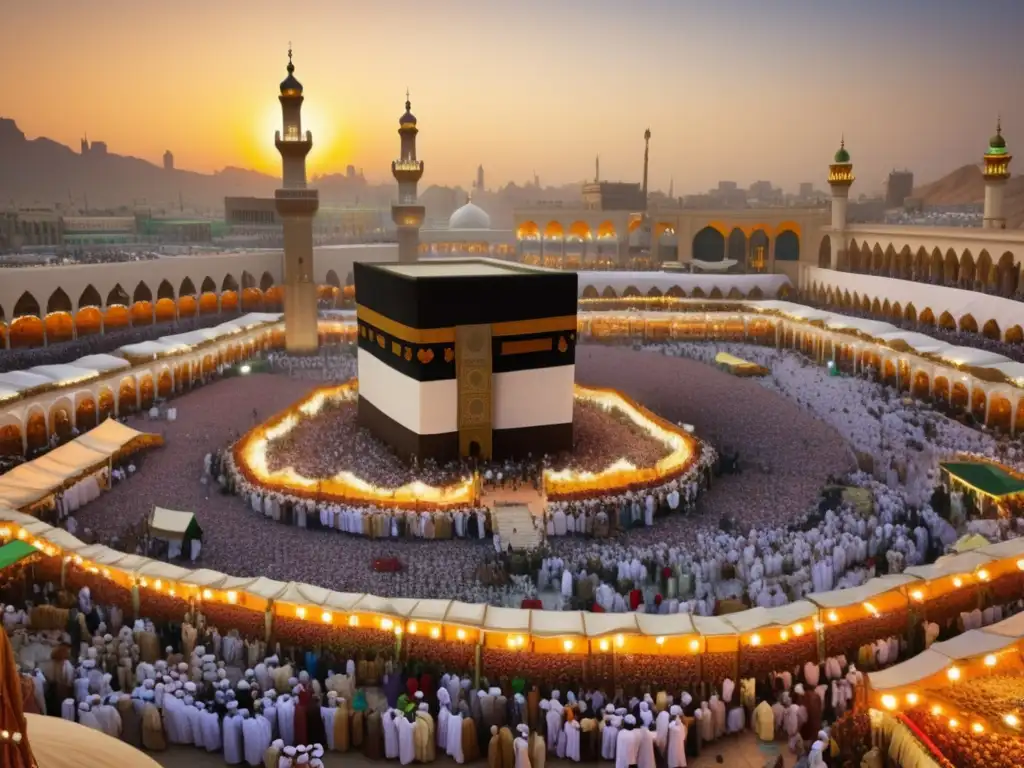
[459, 268]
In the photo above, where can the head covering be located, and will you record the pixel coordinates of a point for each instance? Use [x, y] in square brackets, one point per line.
[675, 710]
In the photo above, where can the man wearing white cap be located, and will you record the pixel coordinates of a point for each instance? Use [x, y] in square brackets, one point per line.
[423, 732]
[255, 739]
[627, 746]
[87, 717]
[286, 718]
[521, 747]
[287, 759]
[676, 751]
[316, 756]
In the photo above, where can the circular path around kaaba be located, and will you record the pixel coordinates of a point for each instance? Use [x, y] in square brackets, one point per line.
[797, 451]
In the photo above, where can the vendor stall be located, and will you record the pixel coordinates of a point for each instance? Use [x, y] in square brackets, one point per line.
[179, 529]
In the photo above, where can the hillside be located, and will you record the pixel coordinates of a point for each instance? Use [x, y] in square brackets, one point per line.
[967, 185]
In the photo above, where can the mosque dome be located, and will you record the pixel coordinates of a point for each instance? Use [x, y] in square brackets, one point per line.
[291, 86]
[842, 156]
[997, 144]
[408, 118]
[470, 216]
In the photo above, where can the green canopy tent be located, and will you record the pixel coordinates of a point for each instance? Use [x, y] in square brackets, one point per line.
[15, 552]
[987, 479]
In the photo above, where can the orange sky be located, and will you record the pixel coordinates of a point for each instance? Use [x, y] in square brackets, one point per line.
[731, 90]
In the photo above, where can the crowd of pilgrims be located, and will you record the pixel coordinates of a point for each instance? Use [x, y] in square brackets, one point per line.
[282, 707]
[78, 256]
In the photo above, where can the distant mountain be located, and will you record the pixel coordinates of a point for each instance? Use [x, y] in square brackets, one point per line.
[42, 173]
[967, 185]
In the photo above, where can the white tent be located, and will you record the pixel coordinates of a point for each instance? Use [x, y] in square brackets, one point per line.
[177, 529]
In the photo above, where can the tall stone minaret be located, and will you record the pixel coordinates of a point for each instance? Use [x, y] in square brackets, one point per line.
[407, 170]
[296, 206]
[840, 177]
[996, 172]
[647, 154]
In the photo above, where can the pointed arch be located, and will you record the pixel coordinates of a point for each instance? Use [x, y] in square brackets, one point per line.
[606, 229]
[968, 324]
[787, 246]
[905, 263]
[208, 285]
[886, 308]
[165, 291]
[968, 271]
[951, 270]
[736, 246]
[708, 245]
[248, 281]
[877, 260]
[589, 292]
[1014, 335]
[921, 264]
[229, 283]
[825, 252]
[947, 321]
[910, 313]
[897, 311]
[266, 282]
[984, 270]
[734, 293]
[927, 317]
[937, 270]
[332, 279]
[889, 261]
[579, 230]
[609, 293]
[716, 293]
[90, 298]
[854, 256]
[654, 293]
[631, 292]
[1007, 275]
[118, 295]
[992, 331]
[188, 288]
[676, 292]
[876, 307]
[755, 293]
[554, 230]
[58, 302]
[26, 306]
[142, 292]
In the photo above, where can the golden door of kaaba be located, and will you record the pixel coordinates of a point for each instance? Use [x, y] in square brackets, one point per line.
[473, 376]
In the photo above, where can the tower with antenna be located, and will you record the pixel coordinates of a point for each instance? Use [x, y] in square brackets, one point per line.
[296, 206]
[407, 213]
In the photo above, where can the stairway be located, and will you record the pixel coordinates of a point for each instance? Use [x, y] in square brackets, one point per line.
[518, 517]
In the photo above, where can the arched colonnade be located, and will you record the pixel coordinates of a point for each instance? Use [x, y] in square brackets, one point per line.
[994, 403]
[923, 316]
[26, 424]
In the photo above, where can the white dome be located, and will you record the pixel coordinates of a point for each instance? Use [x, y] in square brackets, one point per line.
[470, 216]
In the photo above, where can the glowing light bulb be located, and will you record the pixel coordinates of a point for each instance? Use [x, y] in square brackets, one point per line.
[460, 634]
[232, 597]
[353, 621]
[171, 592]
[386, 623]
[207, 594]
[889, 702]
[326, 617]
[755, 640]
[953, 723]
[833, 617]
[917, 595]
[936, 710]
[603, 645]
[978, 728]
[694, 645]
[300, 612]
[912, 699]
[158, 584]
[990, 660]
[784, 635]
[567, 645]
[983, 575]
[619, 641]
[143, 582]
[398, 630]
[953, 673]
[1011, 720]
[511, 642]
[798, 630]
[659, 640]
[1020, 564]
[958, 582]
[435, 632]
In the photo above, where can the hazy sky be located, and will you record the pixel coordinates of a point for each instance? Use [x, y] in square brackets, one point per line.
[732, 89]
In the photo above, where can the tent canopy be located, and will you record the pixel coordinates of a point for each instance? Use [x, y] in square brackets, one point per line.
[985, 478]
[173, 525]
[33, 481]
[15, 552]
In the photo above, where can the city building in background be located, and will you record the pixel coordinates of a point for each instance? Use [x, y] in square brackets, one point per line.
[898, 187]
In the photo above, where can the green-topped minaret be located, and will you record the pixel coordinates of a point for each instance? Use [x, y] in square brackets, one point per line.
[840, 177]
[996, 171]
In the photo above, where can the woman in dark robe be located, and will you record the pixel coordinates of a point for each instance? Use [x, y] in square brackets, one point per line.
[315, 731]
[374, 742]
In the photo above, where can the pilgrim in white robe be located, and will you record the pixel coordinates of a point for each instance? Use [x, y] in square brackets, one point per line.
[232, 736]
[521, 748]
[390, 727]
[286, 720]
[406, 741]
[572, 740]
[255, 739]
[627, 748]
[454, 748]
[677, 744]
[645, 758]
[211, 731]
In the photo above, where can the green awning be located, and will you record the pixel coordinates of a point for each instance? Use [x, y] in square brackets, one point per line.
[14, 552]
[988, 479]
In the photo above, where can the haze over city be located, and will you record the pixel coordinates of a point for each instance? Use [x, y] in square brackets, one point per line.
[737, 90]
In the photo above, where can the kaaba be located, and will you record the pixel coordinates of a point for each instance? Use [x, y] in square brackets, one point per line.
[466, 357]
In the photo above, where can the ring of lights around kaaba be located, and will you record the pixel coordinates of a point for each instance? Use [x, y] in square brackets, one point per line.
[251, 455]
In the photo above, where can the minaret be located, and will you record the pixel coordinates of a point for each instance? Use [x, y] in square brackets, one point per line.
[840, 177]
[996, 172]
[597, 169]
[647, 153]
[296, 206]
[407, 170]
